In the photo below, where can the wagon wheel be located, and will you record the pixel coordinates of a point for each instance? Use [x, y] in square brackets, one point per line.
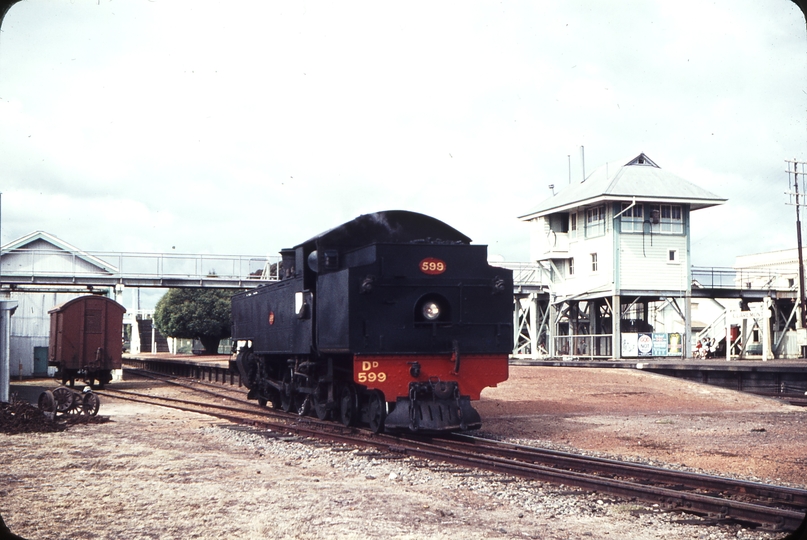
[286, 393]
[349, 406]
[47, 403]
[68, 378]
[63, 399]
[90, 404]
[76, 405]
[377, 411]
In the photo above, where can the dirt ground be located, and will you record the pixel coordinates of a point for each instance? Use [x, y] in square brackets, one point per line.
[634, 413]
[162, 474]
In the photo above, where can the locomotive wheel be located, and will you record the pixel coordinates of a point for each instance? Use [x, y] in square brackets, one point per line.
[321, 409]
[285, 403]
[319, 400]
[349, 406]
[63, 399]
[272, 399]
[247, 364]
[286, 393]
[46, 402]
[377, 411]
[320, 404]
[90, 404]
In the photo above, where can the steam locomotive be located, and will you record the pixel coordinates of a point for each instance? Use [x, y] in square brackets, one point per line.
[392, 319]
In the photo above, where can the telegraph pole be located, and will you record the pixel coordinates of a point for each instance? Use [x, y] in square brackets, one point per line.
[793, 169]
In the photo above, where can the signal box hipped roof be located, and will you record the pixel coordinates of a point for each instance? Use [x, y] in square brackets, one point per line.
[638, 179]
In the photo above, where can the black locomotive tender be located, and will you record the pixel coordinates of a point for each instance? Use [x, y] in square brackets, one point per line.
[392, 319]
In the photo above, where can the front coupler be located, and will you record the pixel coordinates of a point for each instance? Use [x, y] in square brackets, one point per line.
[433, 406]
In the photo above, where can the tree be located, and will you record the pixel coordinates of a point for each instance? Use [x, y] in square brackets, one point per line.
[202, 314]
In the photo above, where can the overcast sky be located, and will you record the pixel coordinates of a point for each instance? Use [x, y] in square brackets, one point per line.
[246, 127]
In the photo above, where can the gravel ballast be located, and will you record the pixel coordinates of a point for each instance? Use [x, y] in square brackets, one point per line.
[157, 473]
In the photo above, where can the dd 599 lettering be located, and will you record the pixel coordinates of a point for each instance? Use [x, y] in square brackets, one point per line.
[369, 373]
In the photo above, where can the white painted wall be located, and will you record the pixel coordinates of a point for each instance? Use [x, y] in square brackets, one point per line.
[644, 262]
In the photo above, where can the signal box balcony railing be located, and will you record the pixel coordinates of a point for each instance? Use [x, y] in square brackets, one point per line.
[589, 346]
[83, 268]
[738, 278]
[527, 274]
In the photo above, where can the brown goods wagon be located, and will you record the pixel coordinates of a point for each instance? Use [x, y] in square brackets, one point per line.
[86, 339]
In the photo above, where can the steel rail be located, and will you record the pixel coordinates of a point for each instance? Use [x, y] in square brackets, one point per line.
[481, 455]
[793, 497]
[708, 505]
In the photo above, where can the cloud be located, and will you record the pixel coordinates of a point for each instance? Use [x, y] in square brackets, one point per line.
[245, 128]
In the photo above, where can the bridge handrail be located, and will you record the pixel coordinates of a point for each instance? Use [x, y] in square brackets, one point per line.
[47, 262]
[526, 273]
[209, 266]
[717, 277]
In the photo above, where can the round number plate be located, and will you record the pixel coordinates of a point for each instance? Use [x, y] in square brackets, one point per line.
[432, 266]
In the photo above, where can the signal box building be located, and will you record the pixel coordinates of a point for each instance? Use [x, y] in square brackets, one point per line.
[616, 246]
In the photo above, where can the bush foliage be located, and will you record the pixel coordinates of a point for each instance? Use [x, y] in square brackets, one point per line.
[202, 314]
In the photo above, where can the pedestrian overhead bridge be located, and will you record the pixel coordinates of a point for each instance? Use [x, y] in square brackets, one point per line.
[45, 269]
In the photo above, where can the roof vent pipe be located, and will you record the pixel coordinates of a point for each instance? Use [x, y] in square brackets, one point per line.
[583, 160]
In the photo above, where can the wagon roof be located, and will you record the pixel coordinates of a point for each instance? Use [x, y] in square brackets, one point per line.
[79, 299]
[390, 226]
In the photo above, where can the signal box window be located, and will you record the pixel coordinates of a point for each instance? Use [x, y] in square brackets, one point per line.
[595, 221]
[670, 219]
[632, 218]
[594, 264]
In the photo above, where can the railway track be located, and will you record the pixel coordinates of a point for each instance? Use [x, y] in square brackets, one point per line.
[722, 499]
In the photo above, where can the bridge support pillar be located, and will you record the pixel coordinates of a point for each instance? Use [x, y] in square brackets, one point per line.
[7, 308]
[616, 326]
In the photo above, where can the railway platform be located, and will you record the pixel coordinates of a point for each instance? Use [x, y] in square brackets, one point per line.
[778, 378]
[211, 367]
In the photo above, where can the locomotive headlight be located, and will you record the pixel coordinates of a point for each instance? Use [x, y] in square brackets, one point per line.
[431, 311]
[433, 308]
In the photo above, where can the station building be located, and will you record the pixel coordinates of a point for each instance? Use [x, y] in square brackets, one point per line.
[43, 253]
[613, 248]
[779, 333]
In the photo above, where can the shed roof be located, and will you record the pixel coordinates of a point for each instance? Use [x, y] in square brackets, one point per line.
[637, 179]
[38, 239]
